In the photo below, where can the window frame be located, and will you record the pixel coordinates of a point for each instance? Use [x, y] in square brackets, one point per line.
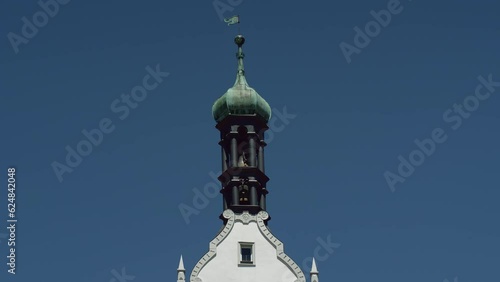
[246, 245]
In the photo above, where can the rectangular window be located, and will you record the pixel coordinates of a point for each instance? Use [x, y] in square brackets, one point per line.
[246, 254]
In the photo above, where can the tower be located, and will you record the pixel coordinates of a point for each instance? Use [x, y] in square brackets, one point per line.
[244, 250]
[242, 116]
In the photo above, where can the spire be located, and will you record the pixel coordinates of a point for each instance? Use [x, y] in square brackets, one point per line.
[240, 76]
[314, 272]
[181, 265]
[181, 276]
[241, 99]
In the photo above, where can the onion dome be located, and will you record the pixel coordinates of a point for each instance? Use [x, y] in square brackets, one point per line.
[241, 99]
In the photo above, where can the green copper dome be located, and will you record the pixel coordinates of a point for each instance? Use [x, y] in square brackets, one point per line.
[241, 99]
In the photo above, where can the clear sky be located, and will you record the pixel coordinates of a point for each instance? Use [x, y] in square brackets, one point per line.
[357, 117]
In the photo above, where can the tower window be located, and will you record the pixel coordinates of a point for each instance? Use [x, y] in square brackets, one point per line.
[246, 254]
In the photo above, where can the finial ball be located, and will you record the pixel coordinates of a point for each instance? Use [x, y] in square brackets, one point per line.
[239, 40]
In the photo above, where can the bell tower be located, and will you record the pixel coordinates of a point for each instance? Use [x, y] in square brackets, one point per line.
[244, 250]
[242, 115]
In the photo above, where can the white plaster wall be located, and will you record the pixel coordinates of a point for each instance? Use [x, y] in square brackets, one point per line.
[224, 266]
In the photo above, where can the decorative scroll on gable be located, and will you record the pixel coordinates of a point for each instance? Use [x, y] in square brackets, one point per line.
[280, 252]
[246, 218]
[229, 215]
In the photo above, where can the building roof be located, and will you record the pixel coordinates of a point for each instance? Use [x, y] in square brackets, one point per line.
[241, 99]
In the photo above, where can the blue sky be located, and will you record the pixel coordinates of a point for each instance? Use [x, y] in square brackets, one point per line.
[354, 118]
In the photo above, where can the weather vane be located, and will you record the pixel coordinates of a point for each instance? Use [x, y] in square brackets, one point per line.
[233, 20]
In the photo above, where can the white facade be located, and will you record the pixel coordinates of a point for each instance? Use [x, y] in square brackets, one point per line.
[269, 263]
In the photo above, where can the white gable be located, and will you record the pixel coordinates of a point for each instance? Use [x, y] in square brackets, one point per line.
[222, 262]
